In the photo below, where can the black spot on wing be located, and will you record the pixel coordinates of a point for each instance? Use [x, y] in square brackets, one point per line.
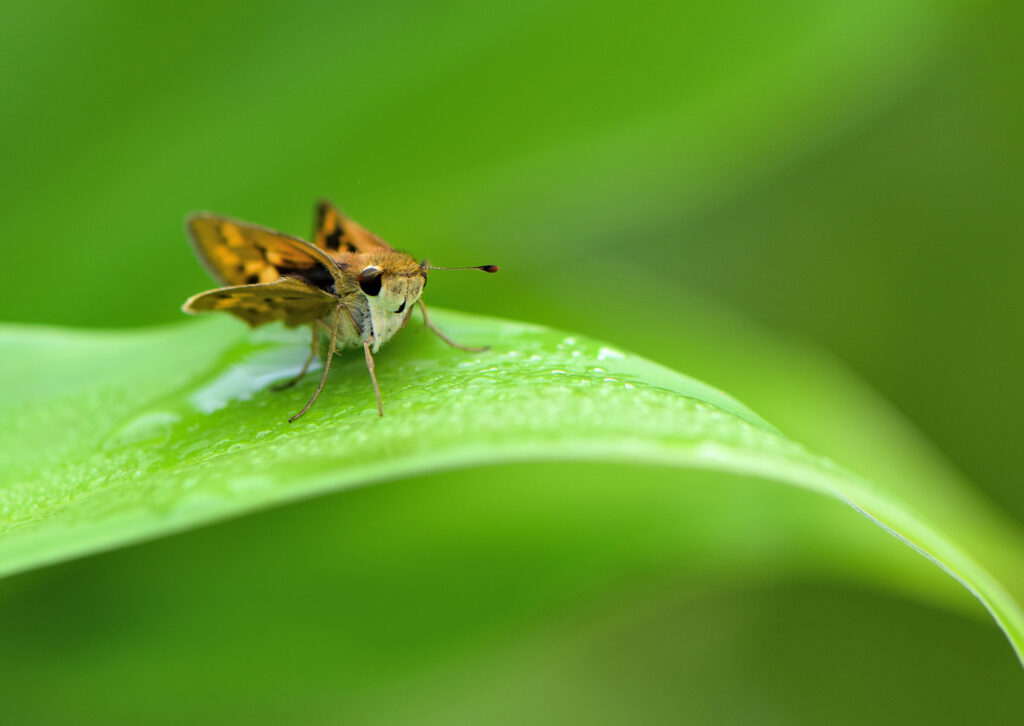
[252, 279]
[317, 276]
[333, 239]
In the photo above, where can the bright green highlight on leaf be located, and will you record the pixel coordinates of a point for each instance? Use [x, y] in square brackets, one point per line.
[111, 438]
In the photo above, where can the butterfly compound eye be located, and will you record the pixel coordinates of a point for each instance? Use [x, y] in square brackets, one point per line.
[369, 281]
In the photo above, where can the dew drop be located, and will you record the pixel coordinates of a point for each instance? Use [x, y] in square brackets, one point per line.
[609, 354]
[147, 426]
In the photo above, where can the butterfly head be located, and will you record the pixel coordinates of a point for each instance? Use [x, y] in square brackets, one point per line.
[392, 283]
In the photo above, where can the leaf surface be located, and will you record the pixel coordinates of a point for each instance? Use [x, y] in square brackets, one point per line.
[116, 437]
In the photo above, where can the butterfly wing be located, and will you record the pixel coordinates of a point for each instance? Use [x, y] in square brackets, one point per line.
[239, 253]
[289, 299]
[335, 234]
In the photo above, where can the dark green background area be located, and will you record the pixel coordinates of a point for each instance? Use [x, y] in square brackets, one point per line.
[842, 176]
[533, 594]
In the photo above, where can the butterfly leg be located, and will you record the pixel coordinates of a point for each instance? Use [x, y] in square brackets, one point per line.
[314, 351]
[373, 376]
[442, 336]
[331, 348]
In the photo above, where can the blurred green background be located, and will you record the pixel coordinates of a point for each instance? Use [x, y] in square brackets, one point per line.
[767, 196]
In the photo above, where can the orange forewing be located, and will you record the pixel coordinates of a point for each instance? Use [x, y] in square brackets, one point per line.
[288, 299]
[336, 234]
[239, 253]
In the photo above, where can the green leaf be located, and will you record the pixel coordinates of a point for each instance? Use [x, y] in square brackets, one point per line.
[115, 437]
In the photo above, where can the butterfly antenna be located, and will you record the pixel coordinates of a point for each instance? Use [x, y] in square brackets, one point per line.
[485, 268]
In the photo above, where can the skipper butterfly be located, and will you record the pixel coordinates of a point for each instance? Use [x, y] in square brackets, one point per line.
[348, 283]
